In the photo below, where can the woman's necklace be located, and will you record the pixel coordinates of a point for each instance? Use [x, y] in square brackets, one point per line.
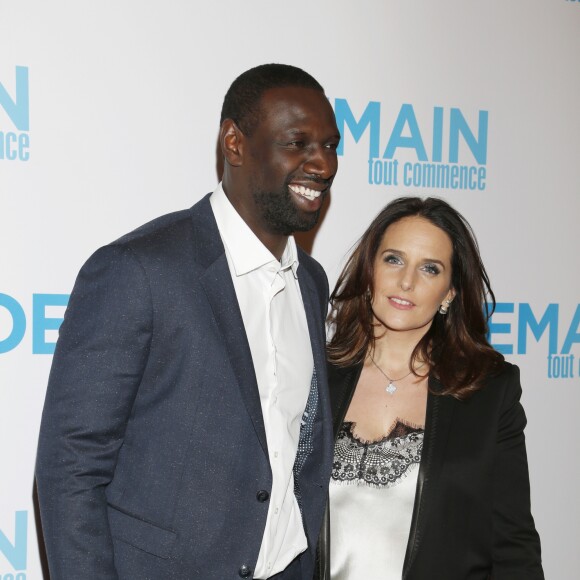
[391, 388]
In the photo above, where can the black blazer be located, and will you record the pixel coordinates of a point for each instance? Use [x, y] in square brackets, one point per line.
[471, 519]
[152, 462]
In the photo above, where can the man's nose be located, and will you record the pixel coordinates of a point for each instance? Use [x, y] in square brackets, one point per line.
[322, 163]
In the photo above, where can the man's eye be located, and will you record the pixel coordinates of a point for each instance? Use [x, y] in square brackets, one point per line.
[333, 146]
[296, 144]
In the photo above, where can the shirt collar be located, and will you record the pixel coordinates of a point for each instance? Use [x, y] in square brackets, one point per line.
[247, 252]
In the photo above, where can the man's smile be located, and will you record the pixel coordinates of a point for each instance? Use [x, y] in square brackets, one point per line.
[305, 191]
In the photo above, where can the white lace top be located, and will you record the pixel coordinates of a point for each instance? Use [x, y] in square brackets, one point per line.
[372, 491]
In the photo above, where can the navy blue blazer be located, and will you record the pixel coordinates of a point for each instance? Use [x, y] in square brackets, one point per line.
[152, 451]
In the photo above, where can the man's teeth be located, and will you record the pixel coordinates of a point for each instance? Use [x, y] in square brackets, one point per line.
[305, 191]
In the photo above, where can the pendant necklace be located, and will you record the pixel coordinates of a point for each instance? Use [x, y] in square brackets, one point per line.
[391, 387]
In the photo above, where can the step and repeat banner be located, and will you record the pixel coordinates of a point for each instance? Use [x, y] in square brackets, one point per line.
[109, 117]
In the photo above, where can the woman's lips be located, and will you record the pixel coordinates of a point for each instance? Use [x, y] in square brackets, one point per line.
[400, 303]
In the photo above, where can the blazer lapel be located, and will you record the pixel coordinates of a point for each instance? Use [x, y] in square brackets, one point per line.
[437, 423]
[315, 324]
[221, 295]
[311, 301]
[342, 382]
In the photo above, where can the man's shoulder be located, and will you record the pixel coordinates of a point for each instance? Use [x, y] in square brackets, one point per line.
[183, 236]
[177, 223]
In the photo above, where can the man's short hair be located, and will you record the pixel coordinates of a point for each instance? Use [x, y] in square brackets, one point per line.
[242, 101]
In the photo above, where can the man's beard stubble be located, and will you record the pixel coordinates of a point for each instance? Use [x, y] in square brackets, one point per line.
[281, 215]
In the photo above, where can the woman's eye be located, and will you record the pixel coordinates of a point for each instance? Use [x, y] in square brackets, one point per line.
[391, 259]
[431, 268]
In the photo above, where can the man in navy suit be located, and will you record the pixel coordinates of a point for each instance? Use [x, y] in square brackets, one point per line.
[186, 431]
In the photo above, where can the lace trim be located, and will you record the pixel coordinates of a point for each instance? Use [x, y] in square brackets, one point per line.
[380, 464]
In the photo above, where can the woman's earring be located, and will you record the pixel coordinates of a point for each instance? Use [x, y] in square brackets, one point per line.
[444, 307]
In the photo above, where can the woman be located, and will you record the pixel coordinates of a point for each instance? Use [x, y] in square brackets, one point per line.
[430, 477]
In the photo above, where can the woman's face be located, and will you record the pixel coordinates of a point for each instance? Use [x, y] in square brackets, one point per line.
[412, 275]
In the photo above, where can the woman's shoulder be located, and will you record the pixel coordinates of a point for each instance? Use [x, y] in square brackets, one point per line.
[503, 371]
[505, 375]
[502, 385]
[499, 387]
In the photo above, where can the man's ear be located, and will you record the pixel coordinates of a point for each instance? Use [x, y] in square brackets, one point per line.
[231, 142]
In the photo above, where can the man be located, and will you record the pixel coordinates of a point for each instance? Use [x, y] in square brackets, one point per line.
[186, 431]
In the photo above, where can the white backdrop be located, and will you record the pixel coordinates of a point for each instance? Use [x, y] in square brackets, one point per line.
[109, 116]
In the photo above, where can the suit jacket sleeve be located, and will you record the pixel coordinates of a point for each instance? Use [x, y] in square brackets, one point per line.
[99, 360]
[516, 544]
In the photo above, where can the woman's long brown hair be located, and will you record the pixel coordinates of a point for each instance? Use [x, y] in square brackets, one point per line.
[455, 346]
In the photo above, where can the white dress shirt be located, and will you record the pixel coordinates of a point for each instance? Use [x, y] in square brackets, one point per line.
[275, 322]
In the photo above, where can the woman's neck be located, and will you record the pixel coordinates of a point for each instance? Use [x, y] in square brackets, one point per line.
[393, 350]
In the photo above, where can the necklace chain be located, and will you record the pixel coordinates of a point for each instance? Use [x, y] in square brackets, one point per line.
[391, 387]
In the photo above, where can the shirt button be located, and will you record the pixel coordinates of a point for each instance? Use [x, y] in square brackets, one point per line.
[244, 571]
[276, 510]
[275, 455]
[262, 496]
